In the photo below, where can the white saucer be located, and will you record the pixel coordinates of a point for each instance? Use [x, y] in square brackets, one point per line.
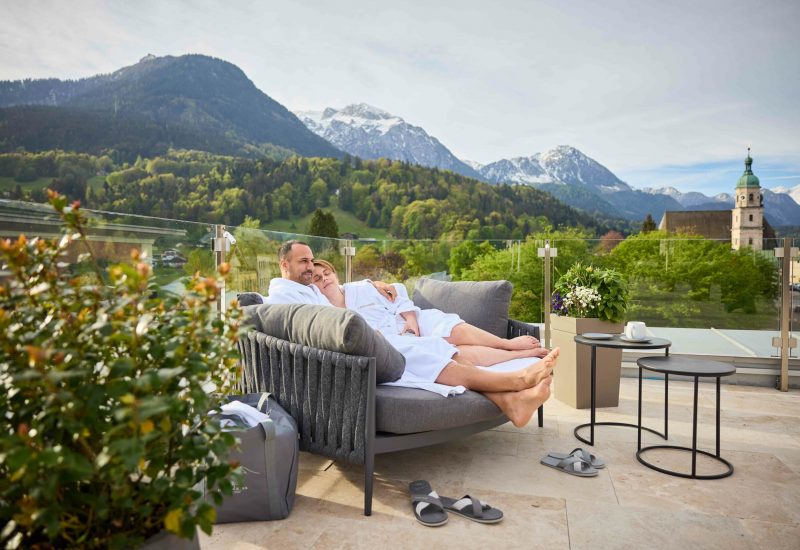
[597, 336]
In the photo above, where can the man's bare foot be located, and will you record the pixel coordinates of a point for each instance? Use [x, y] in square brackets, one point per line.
[521, 342]
[520, 406]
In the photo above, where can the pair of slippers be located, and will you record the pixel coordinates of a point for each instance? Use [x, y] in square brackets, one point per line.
[578, 462]
[430, 509]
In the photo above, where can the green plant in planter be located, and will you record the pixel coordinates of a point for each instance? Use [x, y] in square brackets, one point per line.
[590, 291]
[104, 399]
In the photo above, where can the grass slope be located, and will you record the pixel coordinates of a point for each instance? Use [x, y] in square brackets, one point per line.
[347, 222]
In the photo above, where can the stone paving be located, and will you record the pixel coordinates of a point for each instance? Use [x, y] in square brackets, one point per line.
[626, 506]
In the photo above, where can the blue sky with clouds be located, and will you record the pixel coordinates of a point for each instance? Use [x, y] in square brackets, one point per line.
[662, 93]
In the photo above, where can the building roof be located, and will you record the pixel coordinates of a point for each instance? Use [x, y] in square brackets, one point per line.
[711, 224]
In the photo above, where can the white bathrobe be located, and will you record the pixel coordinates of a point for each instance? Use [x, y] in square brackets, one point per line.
[383, 315]
[284, 291]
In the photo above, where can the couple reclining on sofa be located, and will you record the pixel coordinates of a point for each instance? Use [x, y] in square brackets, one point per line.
[441, 351]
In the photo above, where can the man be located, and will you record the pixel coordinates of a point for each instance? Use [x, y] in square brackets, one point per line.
[518, 394]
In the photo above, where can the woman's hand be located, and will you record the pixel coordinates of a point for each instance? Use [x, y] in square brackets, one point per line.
[411, 327]
[386, 290]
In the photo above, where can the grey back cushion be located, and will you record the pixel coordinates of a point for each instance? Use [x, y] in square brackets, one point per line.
[331, 328]
[483, 304]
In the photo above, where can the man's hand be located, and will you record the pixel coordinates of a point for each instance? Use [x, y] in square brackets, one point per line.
[386, 290]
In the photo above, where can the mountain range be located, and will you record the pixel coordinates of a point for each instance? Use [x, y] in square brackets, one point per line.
[564, 171]
[190, 101]
[199, 102]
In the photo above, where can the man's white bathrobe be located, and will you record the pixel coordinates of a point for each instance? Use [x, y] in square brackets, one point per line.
[284, 291]
[425, 357]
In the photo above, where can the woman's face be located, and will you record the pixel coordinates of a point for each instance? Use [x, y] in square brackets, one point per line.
[325, 280]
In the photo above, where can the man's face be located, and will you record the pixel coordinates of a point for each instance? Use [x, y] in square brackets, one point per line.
[298, 266]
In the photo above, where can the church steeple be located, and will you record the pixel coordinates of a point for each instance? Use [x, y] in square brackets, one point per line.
[747, 227]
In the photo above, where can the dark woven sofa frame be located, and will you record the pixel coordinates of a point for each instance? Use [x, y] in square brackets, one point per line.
[331, 396]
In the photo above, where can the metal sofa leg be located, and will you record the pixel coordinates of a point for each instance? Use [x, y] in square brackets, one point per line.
[369, 471]
[540, 416]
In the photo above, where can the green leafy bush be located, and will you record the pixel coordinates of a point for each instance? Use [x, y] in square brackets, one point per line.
[104, 393]
[590, 291]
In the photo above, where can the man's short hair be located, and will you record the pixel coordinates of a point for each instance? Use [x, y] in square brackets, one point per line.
[286, 248]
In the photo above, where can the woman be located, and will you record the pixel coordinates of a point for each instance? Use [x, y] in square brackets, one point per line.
[435, 360]
[402, 317]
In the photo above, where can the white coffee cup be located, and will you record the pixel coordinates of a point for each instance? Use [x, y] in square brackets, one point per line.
[635, 330]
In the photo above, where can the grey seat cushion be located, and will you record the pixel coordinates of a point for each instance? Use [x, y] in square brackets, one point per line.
[329, 328]
[483, 304]
[408, 410]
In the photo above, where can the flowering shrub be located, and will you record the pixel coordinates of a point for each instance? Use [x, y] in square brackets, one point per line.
[104, 398]
[589, 291]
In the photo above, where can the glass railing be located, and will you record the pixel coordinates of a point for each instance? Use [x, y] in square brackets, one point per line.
[175, 249]
[692, 290]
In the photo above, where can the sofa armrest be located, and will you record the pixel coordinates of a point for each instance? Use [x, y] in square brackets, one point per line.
[330, 395]
[520, 328]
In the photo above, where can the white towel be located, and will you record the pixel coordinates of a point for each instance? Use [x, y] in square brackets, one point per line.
[248, 414]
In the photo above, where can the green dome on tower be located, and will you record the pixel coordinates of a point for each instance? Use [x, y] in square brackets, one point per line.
[748, 179]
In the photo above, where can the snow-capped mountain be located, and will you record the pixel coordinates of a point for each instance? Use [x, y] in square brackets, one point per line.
[371, 133]
[793, 192]
[692, 198]
[563, 164]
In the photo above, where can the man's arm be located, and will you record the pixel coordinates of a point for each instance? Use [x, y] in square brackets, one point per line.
[386, 290]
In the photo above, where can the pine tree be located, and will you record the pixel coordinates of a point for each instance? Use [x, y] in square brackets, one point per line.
[323, 224]
[648, 224]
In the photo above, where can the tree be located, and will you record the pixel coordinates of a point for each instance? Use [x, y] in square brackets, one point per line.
[610, 240]
[323, 224]
[648, 224]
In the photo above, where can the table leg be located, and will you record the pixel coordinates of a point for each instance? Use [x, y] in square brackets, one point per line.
[594, 368]
[639, 425]
[718, 382]
[666, 406]
[694, 428]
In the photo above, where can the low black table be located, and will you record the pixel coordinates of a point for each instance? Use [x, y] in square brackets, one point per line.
[616, 342]
[696, 368]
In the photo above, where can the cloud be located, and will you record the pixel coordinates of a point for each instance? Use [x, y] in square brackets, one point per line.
[636, 85]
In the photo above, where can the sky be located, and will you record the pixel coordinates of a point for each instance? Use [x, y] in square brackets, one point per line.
[661, 93]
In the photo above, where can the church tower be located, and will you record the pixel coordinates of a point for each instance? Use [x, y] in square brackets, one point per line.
[747, 225]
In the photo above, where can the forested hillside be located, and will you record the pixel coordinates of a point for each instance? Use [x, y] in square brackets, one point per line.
[409, 201]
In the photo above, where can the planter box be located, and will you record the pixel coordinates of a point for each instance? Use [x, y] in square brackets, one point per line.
[573, 374]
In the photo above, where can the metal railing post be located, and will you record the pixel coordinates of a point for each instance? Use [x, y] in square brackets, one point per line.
[219, 247]
[786, 308]
[349, 251]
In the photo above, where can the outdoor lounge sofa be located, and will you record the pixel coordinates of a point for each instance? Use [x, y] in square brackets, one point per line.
[322, 365]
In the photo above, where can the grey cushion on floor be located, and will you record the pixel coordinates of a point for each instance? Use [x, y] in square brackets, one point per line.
[331, 328]
[407, 410]
[483, 304]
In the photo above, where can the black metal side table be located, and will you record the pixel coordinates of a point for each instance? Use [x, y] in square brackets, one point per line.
[696, 368]
[617, 342]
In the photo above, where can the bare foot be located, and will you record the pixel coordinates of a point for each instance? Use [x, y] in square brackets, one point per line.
[534, 374]
[521, 342]
[521, 405]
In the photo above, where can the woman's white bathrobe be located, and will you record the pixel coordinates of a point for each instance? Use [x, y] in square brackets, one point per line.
[385, 316]
[425, 355]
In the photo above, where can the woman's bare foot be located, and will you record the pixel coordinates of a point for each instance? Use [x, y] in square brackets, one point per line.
[534, 374]
[521, 342]
[520, 406]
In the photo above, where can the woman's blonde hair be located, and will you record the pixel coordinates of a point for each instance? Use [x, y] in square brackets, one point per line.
[326, 265]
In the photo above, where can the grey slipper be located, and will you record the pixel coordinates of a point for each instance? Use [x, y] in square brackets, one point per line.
[472, 508]
[571, 465]
[584, 455]
[428, 508]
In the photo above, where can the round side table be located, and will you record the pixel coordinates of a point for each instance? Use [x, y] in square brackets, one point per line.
[696, 368]
[616, 342]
